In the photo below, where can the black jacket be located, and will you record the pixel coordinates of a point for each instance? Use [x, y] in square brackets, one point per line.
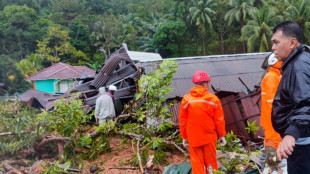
[291, 105]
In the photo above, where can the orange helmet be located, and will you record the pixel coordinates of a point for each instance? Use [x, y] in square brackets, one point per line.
[201, 76]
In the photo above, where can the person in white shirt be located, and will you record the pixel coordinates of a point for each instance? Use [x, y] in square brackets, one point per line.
[104, 111]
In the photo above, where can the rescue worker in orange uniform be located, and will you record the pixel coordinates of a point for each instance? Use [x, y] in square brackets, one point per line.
[201, 122]
[269, 88]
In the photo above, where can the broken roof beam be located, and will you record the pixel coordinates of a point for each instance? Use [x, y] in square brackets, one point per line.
[129, 72]
[121, 93]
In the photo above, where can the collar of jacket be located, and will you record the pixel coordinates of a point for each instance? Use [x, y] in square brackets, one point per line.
[275, 70]
[292, 56]
[198, 91]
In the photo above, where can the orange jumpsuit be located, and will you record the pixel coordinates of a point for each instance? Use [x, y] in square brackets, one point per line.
[201, 121]
[269, 88]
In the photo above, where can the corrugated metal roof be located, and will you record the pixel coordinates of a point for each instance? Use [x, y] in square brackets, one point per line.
[143, 56]
[117, 60]
[61, 71]
[224, 71]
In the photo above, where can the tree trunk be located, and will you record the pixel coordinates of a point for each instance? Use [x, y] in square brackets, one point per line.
[244, 42]
[203, 43]
[20, 48]
[222, 44]
[9, 169]
[6, 50]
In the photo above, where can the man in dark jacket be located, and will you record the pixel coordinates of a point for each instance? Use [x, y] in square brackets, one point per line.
[291, 105]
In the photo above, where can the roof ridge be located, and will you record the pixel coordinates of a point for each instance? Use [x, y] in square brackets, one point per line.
[71, 67]
[45, 69]
[57, 71]
[52, 66]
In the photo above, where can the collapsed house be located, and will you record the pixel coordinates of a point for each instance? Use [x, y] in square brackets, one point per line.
[39, 100]
[120, 70]
[235, 79]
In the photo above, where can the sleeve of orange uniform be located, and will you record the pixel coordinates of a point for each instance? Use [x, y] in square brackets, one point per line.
[183, 115]
[219, 119]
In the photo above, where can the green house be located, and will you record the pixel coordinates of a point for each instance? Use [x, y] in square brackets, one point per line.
[58, 78]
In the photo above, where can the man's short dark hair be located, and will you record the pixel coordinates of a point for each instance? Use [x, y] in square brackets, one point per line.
[289, 29]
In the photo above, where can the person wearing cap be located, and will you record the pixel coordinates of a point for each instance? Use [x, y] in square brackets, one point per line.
[201, 121]
[111, 91]
[272, 139]
[104, 111]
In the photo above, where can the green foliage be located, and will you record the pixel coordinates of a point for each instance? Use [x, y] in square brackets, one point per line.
[299, 11]
[251, 127]
[152, 89]
[241, 10]
[93, 146]
[257, 32]
[233, 144]
[13, 118]
[54, 168]
[11, 76]
[56, 47]
[219, 172]
[201, 14]
[79, 36]
[169, 37]
[66, 10]
[67, 116]
[160, 157]
[31, 65]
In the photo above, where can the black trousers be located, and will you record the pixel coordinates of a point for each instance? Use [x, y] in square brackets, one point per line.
[299, 161]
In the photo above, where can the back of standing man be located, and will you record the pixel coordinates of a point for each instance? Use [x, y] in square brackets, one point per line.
[201, 122]
[104, 111]
[291, 105]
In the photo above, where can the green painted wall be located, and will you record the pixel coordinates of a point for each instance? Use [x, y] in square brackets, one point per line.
[45, 85]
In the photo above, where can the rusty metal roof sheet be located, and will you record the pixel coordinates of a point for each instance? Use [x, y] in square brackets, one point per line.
[117, 59]
[224, 71]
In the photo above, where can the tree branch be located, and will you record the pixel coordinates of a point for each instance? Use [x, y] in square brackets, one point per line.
[9, 169]
[139, 158]
[133, 135]
[176, 146]
[15, 133]
[50, 140]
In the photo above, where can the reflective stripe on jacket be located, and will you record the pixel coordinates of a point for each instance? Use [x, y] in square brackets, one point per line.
[201, 117]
